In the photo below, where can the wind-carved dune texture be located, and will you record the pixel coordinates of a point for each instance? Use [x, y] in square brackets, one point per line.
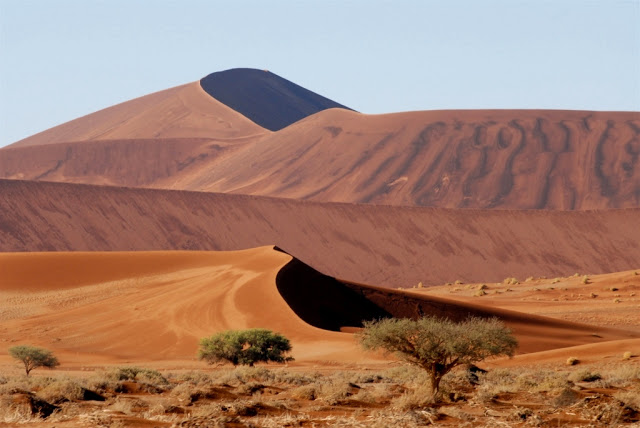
[183, 138]
[380, 245]
[562, 160]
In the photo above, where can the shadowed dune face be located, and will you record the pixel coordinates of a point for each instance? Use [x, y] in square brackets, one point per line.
[92, 308]
[381, 245]
[511, 159]
[266, 98]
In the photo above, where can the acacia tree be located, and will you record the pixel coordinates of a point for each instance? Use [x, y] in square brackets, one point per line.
[437, 345]
[33, 357]
[245, 347]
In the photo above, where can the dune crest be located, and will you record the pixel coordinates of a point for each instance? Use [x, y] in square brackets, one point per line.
[185, 111]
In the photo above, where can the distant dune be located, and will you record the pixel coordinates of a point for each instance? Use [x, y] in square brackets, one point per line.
[185, 111]
[116, 307]
[511, 159]
[379, 245]
[264, 97]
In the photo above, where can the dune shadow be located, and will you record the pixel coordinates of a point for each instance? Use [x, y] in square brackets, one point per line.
[323, 301]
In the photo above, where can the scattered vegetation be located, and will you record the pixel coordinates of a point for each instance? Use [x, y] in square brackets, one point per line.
[245, 347]
[603, 395]
[33, 357]
[438, 346]
[572, 361]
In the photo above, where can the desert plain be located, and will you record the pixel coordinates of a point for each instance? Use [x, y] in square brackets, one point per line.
[244, 201]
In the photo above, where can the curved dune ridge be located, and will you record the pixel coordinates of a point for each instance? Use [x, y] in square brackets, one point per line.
[152, 306]
[184, 138]
[380, 245]
[185, 111]
[264, 97]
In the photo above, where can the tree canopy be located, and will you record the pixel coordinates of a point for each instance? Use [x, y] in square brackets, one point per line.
[33, 357]
[245, 347]
[438, 345]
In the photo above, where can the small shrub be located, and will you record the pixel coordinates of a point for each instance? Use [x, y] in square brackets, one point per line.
[62, 390]
[480, 293]
[584, 376]
[572, 361]
[418, 398]
[510, 281]
[585, 280]
[626, 355]
[628, 399]
[305, 392]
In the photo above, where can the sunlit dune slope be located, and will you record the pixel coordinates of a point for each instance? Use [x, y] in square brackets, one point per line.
[512, 159]
[149, 306]
[380, 245]
[124, 162]
[185, 111]
[264, 97]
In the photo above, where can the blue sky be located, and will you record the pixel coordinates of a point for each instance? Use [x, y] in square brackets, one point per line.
[61, 59]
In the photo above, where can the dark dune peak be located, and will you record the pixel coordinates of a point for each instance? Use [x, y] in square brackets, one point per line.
[266, 98]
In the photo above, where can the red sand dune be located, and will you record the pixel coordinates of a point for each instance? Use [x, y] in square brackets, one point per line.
[185, 111]
[93, 308]
[510, 159]
[381, 245]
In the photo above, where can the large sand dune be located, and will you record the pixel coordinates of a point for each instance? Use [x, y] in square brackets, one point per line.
[512, 159]
[183, 138]
[185, 111]
[381, 245]
[96, 308]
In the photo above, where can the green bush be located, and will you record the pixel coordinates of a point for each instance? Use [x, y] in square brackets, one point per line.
[245, 347]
